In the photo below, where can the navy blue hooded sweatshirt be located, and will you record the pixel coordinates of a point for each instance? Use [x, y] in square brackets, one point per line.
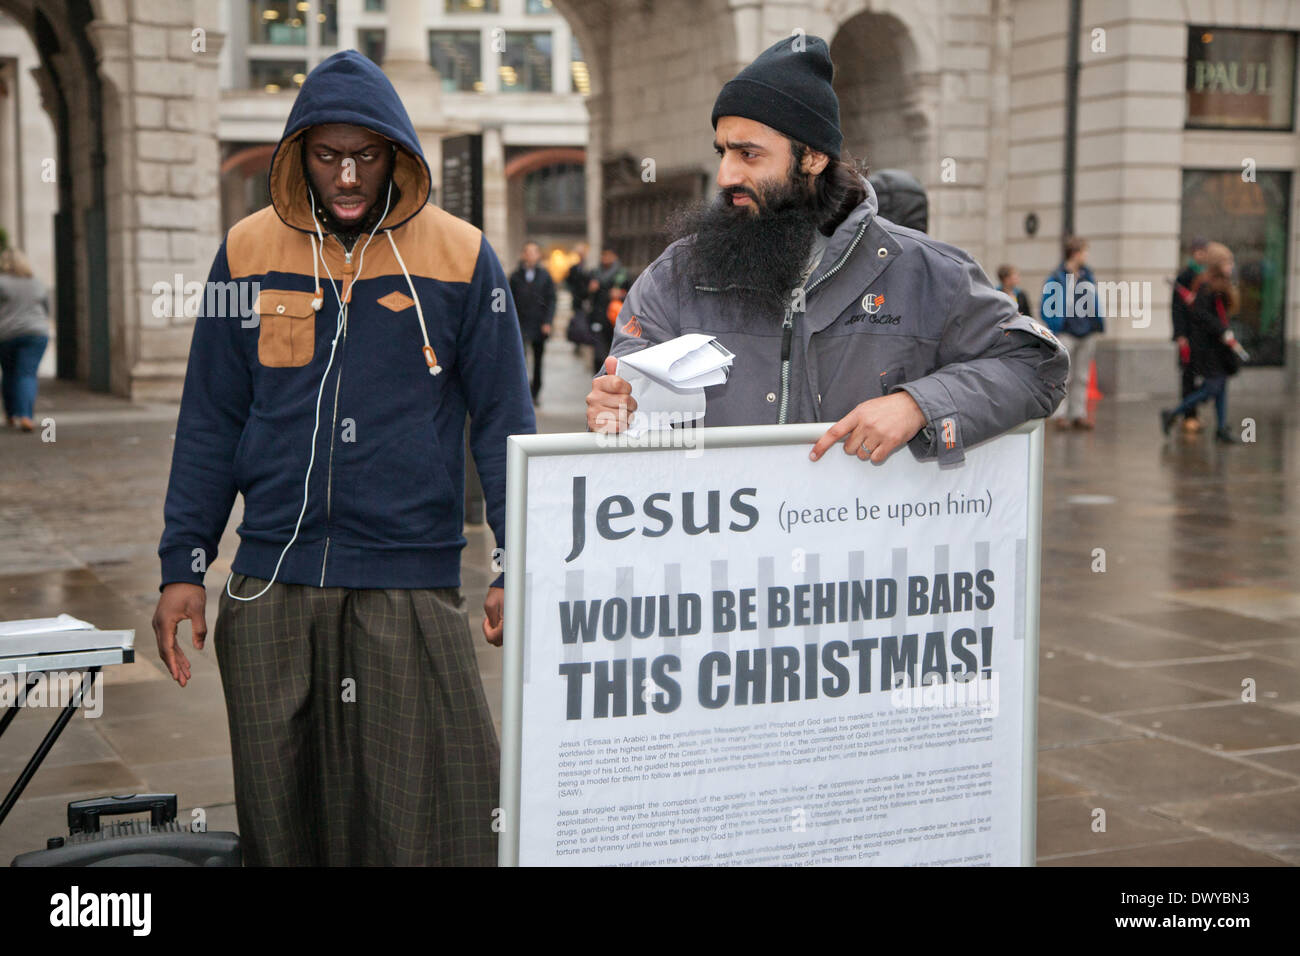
[384, 500]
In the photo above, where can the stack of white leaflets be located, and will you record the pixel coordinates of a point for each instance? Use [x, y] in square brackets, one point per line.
[668, 380]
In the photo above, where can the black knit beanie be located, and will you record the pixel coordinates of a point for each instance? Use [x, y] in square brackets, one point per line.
[789, 89]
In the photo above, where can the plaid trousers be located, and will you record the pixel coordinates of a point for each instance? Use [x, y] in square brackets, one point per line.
[359, 729]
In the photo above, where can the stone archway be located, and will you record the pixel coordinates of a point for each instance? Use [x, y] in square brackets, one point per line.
[72, 94]
[132, 94]
[545, 193]
[887, 111]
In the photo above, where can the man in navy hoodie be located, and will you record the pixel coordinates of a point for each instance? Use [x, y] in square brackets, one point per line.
[360, 733]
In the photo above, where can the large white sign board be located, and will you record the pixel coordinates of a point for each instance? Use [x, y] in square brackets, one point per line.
[730, 654]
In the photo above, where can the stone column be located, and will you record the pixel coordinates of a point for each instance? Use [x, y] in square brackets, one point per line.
[597, 138]
[418, 85]
[166, 126]
[10, 155]
[1000, 135]
[495, 218]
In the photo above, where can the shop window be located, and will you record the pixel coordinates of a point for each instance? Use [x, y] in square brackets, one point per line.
[578, 68]
[1240, 79]
[371, 43]
[278, 22]
[328, 18]
[559, 190]
[1250, 218]
[526, 63]
[455, 54]
[275, 76]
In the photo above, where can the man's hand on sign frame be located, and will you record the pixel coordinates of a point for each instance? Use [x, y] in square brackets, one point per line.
[875, 428]
[493, 625]
[610, 402]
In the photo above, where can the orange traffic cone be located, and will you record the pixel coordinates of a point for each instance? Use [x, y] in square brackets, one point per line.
[1094, 392]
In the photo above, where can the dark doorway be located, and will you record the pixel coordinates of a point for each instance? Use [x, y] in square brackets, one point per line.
[87, 227]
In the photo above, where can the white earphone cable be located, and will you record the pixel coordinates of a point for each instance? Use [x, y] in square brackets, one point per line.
[338, 331]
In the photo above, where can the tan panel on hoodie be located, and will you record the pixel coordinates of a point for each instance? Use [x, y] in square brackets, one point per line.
[261, 243]
[434, 245]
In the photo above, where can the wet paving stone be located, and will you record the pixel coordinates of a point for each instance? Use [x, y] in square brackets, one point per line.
[1140, 666]
[1151, 771]
[1234, 727]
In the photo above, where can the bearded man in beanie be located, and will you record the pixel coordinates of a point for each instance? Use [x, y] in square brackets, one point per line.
[833, 313]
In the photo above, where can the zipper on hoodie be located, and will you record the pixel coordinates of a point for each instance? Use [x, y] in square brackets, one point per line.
[787, 326]
[334, 418]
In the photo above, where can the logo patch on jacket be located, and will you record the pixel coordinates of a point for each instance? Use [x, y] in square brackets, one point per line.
[1044, 333]
[872, 303]
[886, 318]
[632, 327]
[396, 301]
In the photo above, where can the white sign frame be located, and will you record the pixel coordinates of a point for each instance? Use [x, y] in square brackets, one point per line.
[521, 448]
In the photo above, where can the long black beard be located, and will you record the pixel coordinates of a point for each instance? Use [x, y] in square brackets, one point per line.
[760, 256]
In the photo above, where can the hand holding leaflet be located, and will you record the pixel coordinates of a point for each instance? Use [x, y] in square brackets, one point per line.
[668, 380]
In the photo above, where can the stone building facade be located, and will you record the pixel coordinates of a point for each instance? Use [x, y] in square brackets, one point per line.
[971, 96]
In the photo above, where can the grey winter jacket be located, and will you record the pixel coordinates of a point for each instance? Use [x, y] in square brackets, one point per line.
[887, 308]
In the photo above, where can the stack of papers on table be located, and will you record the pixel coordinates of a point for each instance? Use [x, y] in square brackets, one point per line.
[668, 380]
[57, 635]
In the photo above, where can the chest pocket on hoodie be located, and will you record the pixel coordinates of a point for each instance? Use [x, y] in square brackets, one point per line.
[287, 328]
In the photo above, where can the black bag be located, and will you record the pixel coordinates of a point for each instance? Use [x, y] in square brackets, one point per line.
[579, 331]
[1229, 358]
[158, 841]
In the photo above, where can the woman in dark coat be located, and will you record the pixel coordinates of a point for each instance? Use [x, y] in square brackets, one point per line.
[1214, 299]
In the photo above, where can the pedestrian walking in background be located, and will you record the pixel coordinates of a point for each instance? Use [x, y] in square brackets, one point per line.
[579, 331]
[534, 293]
[611, 275]
[1181, 301]
[1009, 284]
[616, 297]
[1214, 352]
[24, 334]
[1072, 309]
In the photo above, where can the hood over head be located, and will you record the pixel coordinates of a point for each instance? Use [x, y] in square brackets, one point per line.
[348, 88]
[902, 198]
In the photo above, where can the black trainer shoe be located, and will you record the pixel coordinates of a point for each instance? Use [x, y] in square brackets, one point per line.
[1166, 420]
[1227, 437]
